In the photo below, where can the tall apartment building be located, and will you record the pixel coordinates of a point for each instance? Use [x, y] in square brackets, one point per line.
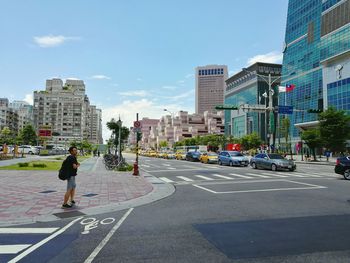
[24, 111]
[210, 86]
[8, 116]
[316, 59]
[66, 111]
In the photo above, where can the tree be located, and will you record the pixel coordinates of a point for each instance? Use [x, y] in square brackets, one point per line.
[114, 127]
[28, 135]
[5, 135]
[334, 129]
[312, 139]
[163, 144]
[285, 130]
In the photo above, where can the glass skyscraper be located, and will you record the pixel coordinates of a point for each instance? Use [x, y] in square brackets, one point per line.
[316, 59]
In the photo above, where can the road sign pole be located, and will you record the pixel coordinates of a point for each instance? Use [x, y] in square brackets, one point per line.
[136, 164]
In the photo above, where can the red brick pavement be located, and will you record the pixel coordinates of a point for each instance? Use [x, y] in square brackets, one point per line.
[21, 198]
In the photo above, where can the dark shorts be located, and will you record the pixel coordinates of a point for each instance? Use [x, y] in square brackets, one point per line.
[71, 183]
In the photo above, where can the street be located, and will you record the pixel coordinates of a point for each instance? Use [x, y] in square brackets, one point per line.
[217, 214]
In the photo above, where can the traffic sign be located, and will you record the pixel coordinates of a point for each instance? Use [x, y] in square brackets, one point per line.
[137, 124]
[285, 109]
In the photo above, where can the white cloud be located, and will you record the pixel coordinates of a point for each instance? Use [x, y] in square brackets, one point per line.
[128, 109]
[29, 99]
[100, 77]
[182, 96]
[169, 87]
[189, 76]
[52, 41]
[137, 93]
[271, 57]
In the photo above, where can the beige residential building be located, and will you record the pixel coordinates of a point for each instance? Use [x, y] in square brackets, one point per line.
[8, 116]
[210, 86]
[24, 111]
[66, 110]
[176, 128]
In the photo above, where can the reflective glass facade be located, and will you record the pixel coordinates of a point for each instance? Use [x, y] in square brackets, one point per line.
[316, 58]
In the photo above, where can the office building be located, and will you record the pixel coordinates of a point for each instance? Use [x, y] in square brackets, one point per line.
[316, 60]
[210, 85]
[250, 88]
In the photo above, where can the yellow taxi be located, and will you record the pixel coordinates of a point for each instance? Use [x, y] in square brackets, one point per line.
[209, 157]
[180, 155]
[152, 153]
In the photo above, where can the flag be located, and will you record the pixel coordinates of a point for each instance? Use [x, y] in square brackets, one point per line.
[289, 87]
[281, 89]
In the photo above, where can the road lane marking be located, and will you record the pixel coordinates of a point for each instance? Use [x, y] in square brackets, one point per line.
[108, 237]
[171, 168]
[185, 178]
[166, 179]
[12, 249]
[204, 177]
[276, 175]
[222, 176]
[241, 176]
[42, 242]
[145, 165]
[18, 230]
[258, 175]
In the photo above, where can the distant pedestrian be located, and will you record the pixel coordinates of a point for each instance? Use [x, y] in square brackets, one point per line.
[98, 153]
[71, 168]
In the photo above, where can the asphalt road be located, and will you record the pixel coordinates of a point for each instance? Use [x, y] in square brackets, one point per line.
[217, 214]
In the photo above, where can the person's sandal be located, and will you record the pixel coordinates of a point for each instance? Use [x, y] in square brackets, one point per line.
[66, 206]
[72, 202]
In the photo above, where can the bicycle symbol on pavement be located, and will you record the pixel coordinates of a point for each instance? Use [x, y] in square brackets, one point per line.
[91, 223]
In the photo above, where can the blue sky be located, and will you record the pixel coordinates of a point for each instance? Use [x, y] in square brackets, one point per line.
[135, 55]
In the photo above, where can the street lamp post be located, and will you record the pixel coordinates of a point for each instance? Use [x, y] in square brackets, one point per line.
[269, 108]
[119, 122]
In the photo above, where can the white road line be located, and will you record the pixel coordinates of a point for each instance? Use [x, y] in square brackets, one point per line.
[18, 230]
[212, 167]
[204, 177]
[275, 175]
[12, 249]
[185, 178]
[242, 176]
[315, 175]
[166, 164]
[107, 238]
[145, 165]
[259, 175]
[298, 175]
[166, 179]
[42, 242]
[222, 176]
[171, 168]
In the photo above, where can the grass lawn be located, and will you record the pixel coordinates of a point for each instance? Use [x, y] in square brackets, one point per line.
[50, 165]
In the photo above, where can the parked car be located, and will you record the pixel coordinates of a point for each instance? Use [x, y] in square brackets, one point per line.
[170, 155]
[193, 156]
[343, 167]
[180, 155]
[27, 149]
[210, 157]
[233, 158]
[272, 161]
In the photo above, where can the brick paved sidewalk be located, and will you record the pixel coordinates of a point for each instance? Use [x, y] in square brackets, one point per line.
[28, 195]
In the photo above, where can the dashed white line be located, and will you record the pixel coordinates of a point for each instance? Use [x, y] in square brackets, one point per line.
[259, 175]
[241, 176]
[204, 177]
[222, 176]
[185, 178]
[166, 179]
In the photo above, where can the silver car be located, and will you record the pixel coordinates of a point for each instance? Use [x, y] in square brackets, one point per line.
[272, 161]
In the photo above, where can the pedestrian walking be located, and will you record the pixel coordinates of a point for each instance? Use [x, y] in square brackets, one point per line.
[71, 170]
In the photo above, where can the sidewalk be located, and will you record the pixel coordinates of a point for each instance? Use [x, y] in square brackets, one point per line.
[34, 196]
[319, 161]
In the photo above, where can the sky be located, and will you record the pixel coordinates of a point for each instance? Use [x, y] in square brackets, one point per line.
[135, 56]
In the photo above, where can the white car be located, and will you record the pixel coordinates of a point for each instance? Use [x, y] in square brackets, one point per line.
[27, 149]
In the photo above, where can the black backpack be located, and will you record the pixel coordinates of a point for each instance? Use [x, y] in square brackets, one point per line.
[63, 172]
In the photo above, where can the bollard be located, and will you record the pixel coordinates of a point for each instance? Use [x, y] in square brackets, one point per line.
[136, 169]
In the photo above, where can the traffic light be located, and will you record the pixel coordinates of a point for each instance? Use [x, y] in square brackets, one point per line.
[314, 111]
[138, 136]
[226, 107]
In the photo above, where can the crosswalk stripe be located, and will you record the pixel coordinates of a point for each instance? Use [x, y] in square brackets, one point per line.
[259, 175]
[222, 176]
[275, 175]
[166, 179]
[12, 249]
[298, 175]
[185, 178]
[145, 165]
[171, 168]
[204, 177]
[19, 230]
[242, 176]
